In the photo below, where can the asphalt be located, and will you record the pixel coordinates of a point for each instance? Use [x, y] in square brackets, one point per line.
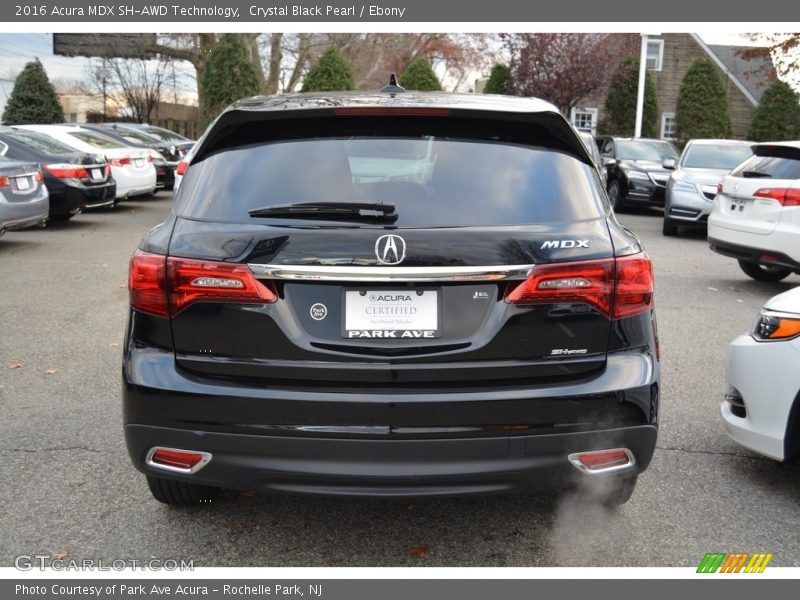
[69, 489]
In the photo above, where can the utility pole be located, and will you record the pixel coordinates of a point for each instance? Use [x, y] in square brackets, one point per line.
[640, 91]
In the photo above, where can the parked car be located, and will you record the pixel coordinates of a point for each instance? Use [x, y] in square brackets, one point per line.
[637, 169]
[165, 169]
[179, 145]
[487, 328]
[760, 409]
[132, 168]
[591, 146]
[23, 195]
[756, 215]
[74, 180]
[693, 185]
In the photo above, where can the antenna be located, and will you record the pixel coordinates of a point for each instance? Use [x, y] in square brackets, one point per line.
[393, 87]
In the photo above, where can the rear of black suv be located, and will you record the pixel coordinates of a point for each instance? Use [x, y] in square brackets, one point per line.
[389, 295]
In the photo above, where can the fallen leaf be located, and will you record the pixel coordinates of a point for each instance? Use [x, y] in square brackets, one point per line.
[51, 371]
[235, 526]
[61, 554]
[123, 286]
[14, 366]
[678, 370]
[419, 551]
[248, 494]
[113, 345]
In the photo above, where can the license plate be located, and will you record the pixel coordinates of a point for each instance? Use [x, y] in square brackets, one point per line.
[23, 184]
[737, 205]
[97, 174]
[391, 314]
[138, 162]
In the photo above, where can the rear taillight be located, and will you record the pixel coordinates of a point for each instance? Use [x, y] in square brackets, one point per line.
[394, 112]
[4, 181]
[119, 162]
[618, 288]
[107, 170]
[180, 169]
[164, 286]
[38, 176]
[719, 188]
[66, 171]
[786, 196]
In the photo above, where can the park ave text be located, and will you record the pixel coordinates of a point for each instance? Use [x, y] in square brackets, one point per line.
[354, 11]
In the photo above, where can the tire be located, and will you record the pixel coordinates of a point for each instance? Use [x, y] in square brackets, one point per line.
[62, 218]
[668, 228]
[618, 492]
[615, 195]
[764, 272]
[180, 493]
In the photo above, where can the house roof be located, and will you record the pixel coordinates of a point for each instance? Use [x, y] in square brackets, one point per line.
[753, 74]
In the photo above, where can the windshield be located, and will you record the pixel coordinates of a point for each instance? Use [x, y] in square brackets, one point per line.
[645, 150]
[715, 156]
[432, 182]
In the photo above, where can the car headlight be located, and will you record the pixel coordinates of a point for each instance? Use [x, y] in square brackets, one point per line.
[772, 325]
[632, 174]
[683, 186]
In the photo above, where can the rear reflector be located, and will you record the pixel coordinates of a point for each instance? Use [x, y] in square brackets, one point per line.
[164, 286]
[66, 171]
[181, 168]
[4, 182]
[786, 196]
[602, 461]
[172, 459]
[618, 288]
[397, 112]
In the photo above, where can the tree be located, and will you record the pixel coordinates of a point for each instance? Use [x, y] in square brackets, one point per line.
[499, 81]
[330, 74]
[564, 68]
[777, 54]
[702, 107]
[777, 116]
[33, 99]
[418, 75]
[229, 75]
[620, 106]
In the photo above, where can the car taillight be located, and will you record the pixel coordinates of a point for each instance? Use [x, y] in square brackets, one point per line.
[4, 181]
[164, 286]
[618, 288]
[719, 187]
[119, 162]
[66, 171]
[394, 112]
[107, 170]
[786, 196]
[38, 176]
[180, 169]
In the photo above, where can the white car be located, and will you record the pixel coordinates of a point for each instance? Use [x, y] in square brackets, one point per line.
[756, 215]
[761, 409]
[132, 168]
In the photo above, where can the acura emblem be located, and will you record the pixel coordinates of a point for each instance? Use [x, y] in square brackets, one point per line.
[390, 249]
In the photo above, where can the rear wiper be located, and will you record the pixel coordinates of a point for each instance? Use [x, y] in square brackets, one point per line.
[347, 211]
[754, 174]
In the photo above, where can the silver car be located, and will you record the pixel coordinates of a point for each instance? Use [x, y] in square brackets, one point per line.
[693, 184]
[591, 146]
[24, 201]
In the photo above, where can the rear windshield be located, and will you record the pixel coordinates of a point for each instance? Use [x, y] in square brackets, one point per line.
[431, 181]
[715, 156]
[98, 140]
[771, 162]
[645, 150]
[39, 142]
[165, 135]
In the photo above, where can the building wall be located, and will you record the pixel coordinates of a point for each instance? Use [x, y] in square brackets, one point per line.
[680, 51]
[181, 118]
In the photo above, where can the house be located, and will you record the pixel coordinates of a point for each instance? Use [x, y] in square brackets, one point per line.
[669, 57]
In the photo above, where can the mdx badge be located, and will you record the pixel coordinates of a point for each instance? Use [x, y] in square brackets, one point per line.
[390, 249]
[553, 244]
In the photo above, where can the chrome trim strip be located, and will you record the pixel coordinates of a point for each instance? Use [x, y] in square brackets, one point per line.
[23, 175]
[380, 274]
[203, 461]
[574, 459]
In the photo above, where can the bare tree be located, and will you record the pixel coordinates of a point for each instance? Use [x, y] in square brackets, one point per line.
[777, 55]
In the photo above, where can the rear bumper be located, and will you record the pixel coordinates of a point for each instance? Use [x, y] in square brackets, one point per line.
[369, 467]
[384, 442]
[755, 255]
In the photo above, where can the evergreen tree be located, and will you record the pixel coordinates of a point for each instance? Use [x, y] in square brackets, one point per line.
[620, 106]
[499, 81]
[33, 99]
[702, 110]
[331, 73]
[228, 76]
[419, 76]
[777, 116]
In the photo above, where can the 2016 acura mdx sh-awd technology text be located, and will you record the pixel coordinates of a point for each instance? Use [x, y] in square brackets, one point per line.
[390, 294]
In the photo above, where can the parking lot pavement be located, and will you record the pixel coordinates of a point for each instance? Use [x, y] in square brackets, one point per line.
[69, 486]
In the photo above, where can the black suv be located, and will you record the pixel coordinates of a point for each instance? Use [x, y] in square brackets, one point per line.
[637, 170]
[390, 294]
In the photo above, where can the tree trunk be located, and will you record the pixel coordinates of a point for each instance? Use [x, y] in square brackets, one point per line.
[275, 57]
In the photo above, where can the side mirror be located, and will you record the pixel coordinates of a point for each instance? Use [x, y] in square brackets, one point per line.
[609, 162]
[669, 163]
